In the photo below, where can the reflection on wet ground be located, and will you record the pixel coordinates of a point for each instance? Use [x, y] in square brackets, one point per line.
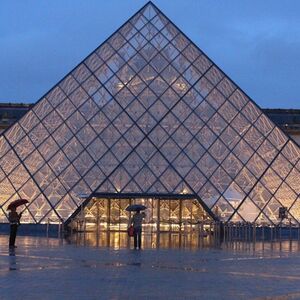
[168, 240]
[82, 268]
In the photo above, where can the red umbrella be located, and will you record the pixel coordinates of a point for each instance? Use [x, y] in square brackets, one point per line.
[17, 203]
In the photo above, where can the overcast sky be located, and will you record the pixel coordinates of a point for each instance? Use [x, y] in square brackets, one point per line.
[255, 42]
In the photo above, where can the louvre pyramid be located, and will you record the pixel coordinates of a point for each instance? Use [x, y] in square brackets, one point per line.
[149, 112]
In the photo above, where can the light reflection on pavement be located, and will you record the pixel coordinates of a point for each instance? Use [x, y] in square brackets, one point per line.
[48, 268]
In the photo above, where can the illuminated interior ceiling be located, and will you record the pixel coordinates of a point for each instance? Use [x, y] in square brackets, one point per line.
[149, 112]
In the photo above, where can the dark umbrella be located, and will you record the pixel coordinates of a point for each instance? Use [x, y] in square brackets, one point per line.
[17, 203]
[135, 207]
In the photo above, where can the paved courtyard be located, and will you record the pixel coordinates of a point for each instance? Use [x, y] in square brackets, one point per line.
[51, 268]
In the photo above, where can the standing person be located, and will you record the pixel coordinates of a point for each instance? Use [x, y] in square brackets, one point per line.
[137, 221]
[14, 220]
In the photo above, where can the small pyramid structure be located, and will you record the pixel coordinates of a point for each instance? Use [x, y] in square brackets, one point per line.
[149, 112]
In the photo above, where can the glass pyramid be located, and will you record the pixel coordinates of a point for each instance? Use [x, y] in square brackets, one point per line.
[149, 112]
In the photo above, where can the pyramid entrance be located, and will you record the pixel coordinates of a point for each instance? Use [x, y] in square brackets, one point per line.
[164, 213]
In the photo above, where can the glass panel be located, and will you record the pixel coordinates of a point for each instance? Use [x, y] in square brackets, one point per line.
[238, 99]
[209, 195]
[68, 85]
[245, 179]
[48, 148]
[134, 135]
[41, 109]
[222, 209]
[62, 134]
[230, 137]
[44, 176]
[227, 111]
[260, 195]
[119, 178]
[191, 52]
[69, 177]
[277, 138]
[109, 135]
[29, 120]
[248, 210]
[193, 123]
[182, 137]
[133, 164]
[158, 164]
[38, 134]
[256, 165]
[86, 135]
[76, 121]
[93, 62]
[194, 150]
[220, 179]
[59, 162]
[182, 164]
[18, 177]
[65, 207]
[206, 137]
[159, 41]
[66, 108]
[145, 178]
[272, 210]
[234, 195]
[285, 195]
[264, 125]
[14, 134]
[251, 112]
[78, 96]
[243, 151]
[107, 163]
[218, 151]
[254, 138]
[204, 111]
[81, 73]
[55, 192]
[83, 163]
[34, 162]
[232, 165]
[169, 149]
[9, 162]
[267, 151]
[105, 51]
[96, 149]
[149, 31]
[121, 149]
[170, 123]
[207, 165]
[293, 180]
[217, 124]
[52, 121]
[271, 180]
[281, 166]
[292, 152]
[91, 85]
[57, 95]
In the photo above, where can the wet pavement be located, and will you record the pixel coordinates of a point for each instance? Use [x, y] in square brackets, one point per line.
[52, 268]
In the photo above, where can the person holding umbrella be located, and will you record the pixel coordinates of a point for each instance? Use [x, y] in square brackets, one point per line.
[137, 221]
[14, 220]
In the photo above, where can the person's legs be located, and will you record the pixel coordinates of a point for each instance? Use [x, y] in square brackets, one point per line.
[13, 234]
[135, 236]
[140, 238]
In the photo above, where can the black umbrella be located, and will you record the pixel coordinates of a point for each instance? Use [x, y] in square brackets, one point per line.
[135, 207]
[17, 203]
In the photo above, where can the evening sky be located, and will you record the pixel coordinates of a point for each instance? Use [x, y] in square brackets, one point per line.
[256, 43]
